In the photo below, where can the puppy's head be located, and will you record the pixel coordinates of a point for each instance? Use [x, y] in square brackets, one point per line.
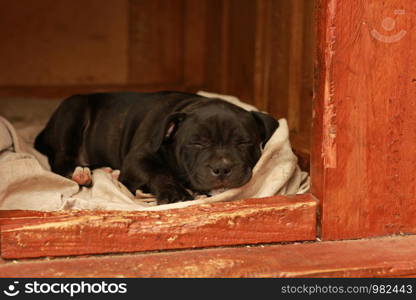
[216, 144]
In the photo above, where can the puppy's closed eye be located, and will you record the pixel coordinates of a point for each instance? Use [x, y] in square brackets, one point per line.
[244, 143]
[197, 145]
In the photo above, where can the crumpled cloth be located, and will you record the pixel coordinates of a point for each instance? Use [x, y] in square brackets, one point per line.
[28, 184]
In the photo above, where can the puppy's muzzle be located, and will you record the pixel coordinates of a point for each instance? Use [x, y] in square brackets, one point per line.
[221, 169]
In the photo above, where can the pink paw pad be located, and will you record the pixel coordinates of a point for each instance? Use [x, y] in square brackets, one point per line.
[115, 174]
[82, 176]
[107, 169]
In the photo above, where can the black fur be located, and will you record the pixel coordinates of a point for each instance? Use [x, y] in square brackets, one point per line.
[163, 142]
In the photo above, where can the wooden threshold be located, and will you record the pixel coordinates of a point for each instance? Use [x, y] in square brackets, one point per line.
[379, 257]
[250, 221]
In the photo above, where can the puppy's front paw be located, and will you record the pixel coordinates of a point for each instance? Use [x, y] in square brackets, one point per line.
[171, 194]
[115, 174]
[82, 176]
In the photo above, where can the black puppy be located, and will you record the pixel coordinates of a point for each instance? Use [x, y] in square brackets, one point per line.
[163, 142]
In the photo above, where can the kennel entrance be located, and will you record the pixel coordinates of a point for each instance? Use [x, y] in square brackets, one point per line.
[361, 155]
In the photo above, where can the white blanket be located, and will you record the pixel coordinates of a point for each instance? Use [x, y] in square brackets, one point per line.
[27, 183]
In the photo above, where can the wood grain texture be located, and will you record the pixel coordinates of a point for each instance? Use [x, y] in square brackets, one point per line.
[195, 47]
[367, 120]
[384, 257]
[241, 41]
[295, 63]
[61, 92]
[265, 220]
[60, 42]
[321, 70]
[263, 54]
[156, 41]
[292, 47]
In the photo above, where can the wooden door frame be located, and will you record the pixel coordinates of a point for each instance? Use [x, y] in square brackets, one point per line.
[363, 129]
[249, 221]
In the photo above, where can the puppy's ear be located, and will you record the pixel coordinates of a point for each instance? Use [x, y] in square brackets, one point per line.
[166, 130]
[267, 125]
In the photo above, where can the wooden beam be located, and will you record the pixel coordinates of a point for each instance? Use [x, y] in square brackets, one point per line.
[195, 43]
[381, 257]
[321, 72]
[296, 64]
[250, 221]
[364, 152]
[262, 54]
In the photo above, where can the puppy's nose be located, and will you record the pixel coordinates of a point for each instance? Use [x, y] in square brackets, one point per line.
[221, 172]
[221, 169]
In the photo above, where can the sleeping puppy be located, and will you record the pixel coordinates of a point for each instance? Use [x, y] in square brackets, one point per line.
[163, 143]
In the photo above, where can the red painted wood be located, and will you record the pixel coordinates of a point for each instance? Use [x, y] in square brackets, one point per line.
[316, 162]
[381, 257]
[249, 221]
[364, 158]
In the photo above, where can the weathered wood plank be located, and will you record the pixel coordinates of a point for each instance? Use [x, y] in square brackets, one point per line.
[384, 257]
[366, 121]
[250, 221]
[322, 63]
